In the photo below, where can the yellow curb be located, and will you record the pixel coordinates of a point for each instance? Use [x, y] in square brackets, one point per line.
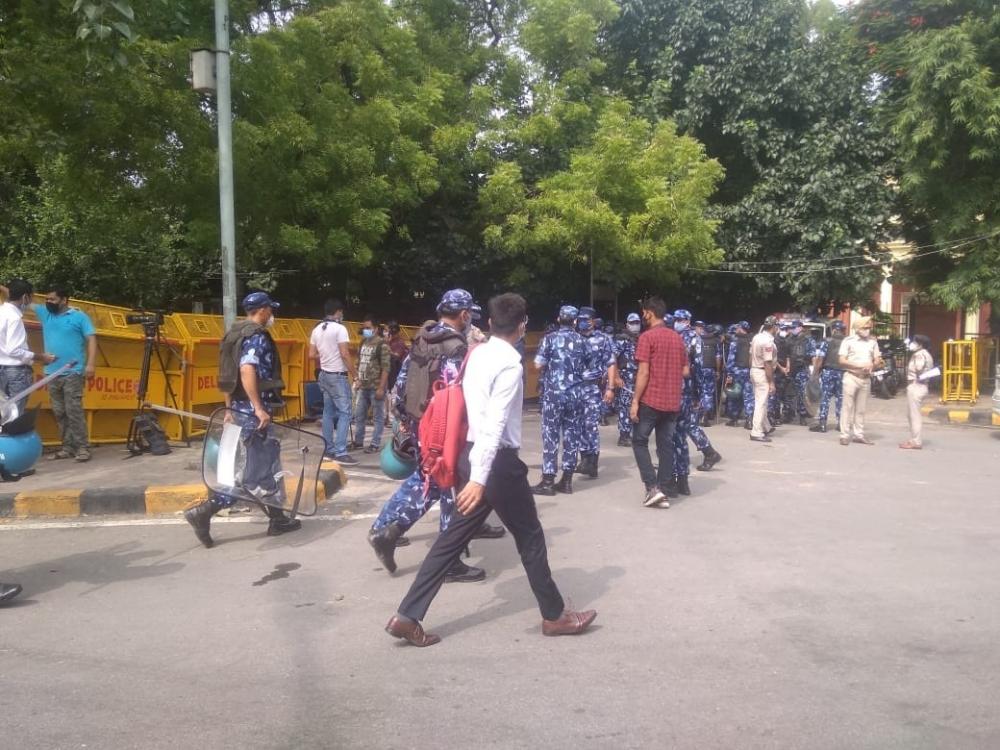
[173, 498]
[47, 503]
[959, 416]
[996, 420]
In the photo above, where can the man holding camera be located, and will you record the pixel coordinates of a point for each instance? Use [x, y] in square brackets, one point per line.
[70, 336]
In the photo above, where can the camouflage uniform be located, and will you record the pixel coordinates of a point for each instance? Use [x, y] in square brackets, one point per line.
[600, 357]
[831, 381]
[624, 351]
[563, 354]
[687, 419]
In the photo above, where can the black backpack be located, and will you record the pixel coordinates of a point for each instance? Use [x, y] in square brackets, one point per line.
[429, 348]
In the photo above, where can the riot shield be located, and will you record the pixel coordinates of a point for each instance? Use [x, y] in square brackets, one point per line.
[813, 395]
[279, 466]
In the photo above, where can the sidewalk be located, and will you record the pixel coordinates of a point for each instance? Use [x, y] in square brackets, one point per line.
[980, 413]
[112, 482]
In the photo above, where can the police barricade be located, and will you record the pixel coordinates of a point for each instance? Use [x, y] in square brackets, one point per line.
[204, 334]
[960, 376]
[111, 396]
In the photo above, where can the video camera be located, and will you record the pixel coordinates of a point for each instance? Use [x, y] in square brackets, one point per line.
[144, 318]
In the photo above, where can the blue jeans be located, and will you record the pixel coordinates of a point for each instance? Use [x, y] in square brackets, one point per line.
[366, 399]
[14, 379]
[336, 406]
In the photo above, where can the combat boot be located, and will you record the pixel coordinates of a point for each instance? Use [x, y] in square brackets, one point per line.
[712, 457]
[546, 487]
[624, 441]
[732, 422]
[280, 523]
[683, 488]
[383, 541]
[670, 488]
[200, 518]
[589, 466]
[748, 423]
[803, 421]
[818, 427]
[707, 420]
[565, 485]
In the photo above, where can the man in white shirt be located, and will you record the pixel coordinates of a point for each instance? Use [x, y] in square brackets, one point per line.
[16, 359]
[497, 480]
[763, 357]
[859, 355]
[328, 346]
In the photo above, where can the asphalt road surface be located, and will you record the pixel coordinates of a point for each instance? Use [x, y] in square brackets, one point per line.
[805, 596]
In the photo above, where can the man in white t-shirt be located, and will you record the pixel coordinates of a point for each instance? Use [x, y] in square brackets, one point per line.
[328, 345]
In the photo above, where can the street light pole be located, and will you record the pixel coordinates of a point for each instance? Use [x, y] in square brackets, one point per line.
[224, 113]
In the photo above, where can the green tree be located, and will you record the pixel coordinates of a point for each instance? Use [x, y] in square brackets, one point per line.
[777, 96]
[632, 203]
[938, 70]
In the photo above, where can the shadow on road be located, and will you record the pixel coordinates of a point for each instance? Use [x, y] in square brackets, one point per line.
[117, 563]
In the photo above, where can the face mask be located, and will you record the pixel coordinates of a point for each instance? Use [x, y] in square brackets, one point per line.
[864, 333]
[53, 307]
[680, 326]
[634, 327]
[366, 333]
[913, 346]
[583, 326]
[782, 334]
[269, 323]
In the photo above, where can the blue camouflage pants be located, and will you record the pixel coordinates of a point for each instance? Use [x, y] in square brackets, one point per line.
[687, 427]
[776, 401]
[590, 442]
[408, 504]
[796, 392]
[245, 418]
[742, 376]
[624, 398]
[561, 417]
[831, 386]
[706, 382]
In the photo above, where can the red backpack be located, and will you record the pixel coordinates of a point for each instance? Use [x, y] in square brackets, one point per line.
[443, 430]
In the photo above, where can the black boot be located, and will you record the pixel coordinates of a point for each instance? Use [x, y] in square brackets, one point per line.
[670, 490]
[589, 466]
[8, 591]
[682, 485]
[802, 420]
[462, 573]
[712, 457]
[732, 421]
[565, 485]
[546, 487]
[383, 542]
[200, 518]
[624, 441]
[707, 420]
[748, 423]
[280, 523]
[818, 427]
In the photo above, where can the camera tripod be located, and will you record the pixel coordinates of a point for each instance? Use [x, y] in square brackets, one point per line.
[144, 431]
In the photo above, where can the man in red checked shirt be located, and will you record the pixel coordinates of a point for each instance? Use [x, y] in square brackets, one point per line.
[663, 365]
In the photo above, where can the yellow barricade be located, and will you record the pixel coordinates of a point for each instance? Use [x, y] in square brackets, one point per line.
[204, 333]
[111, 396]
[959, 371]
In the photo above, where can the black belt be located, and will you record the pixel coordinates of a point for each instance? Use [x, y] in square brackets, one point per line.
[342, 372]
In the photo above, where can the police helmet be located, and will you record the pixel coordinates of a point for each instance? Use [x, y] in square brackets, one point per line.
[588, 312]
[838, 325]
[455, 301]
[567, 314]
[784, 325]
[770, 321]
[715, 329]
[682, 314]
[796, 323]
[744, 324]
[398, 458]
[633, 318]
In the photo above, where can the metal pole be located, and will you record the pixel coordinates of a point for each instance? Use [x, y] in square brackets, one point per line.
[591, 277]
[227, 213]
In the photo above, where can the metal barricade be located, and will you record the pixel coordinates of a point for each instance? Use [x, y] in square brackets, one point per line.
[959, 371]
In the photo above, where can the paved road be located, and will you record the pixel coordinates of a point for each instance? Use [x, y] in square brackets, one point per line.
[806, 596]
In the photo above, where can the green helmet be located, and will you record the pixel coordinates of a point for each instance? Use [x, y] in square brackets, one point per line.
[398, 459]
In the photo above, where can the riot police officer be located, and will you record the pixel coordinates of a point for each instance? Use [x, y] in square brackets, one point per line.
[625, 370]
[826, 359]
[740, 369]
[560, 360]
[600, 358]
[800, 348]
[711, 354]
[687, 419]
[777, 410]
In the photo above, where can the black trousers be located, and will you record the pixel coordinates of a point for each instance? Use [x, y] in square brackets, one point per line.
[664, 422]
[509, 494]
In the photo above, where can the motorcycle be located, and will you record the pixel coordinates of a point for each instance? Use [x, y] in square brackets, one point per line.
[887, 381]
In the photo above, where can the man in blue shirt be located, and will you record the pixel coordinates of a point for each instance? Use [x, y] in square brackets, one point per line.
[70, 337]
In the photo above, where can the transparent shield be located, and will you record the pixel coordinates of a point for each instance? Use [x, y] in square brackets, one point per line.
[279, 466]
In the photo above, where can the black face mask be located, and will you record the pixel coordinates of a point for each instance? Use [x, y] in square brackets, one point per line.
[53, 307]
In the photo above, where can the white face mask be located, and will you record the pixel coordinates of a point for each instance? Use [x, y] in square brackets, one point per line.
[634, 327]
[269, 323]
[864, 332]
[914, 346]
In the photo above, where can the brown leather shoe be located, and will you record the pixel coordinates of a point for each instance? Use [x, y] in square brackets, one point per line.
[411, 631]
[569, 623]
[863, 441]
[845, 441]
